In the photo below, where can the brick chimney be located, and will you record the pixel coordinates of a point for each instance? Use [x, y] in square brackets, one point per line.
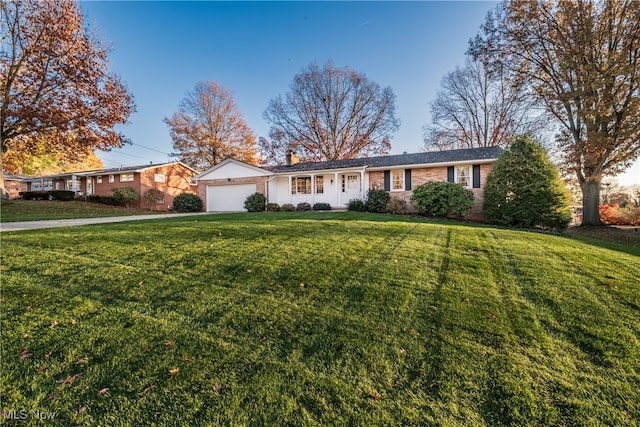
[292, 158]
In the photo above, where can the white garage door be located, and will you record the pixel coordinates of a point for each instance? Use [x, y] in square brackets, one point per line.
[228, 198]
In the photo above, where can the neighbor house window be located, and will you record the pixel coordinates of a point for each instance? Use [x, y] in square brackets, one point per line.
[319, 184]
[126, 177]
[99, 179]
[301, 185]
[158, 177]
[112, 178]
[397, 179]
[463, 177]
[160, 198]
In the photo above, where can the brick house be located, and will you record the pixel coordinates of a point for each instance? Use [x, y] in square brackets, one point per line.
[225, 186]
[169, 178]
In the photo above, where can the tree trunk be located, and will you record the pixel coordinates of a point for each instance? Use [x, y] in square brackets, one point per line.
[591, 201]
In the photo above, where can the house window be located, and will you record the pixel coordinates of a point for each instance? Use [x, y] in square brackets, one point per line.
[126, 177]
[301, 185]
[397, 179]
[112, 178]
[158, 177]
[160, 198]
[352, 183]
[99, 179]
[319, 184]
[463, 177]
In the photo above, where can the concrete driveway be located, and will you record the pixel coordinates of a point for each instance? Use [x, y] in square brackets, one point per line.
[34, 225]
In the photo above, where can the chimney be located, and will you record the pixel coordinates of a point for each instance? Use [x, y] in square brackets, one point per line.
[292, 158]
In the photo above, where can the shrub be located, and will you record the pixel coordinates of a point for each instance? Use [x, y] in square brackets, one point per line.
[377, 200]
[304, 206]
[35, 195]
[187, 202]
[152, 196]
[524, 189]
[273, 207]
[397, 206]
[62, 195]
[106, 200]
[441, 199]
[356, 205]
[125, 195]
[322, 207]
[255, 202]
[613, 214]
[287, 207]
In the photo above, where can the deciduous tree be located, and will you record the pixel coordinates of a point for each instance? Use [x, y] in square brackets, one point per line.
[54, 79]
[208, 128]
[478, 106]
[582, 60]
[331, 113]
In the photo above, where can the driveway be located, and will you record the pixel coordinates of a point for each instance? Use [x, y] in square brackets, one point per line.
[52, 223]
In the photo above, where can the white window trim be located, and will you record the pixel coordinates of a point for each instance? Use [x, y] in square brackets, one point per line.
[127, 180]
[159, 177]
[294, 187]
[402, 175]
[99, 179]
[469, 177]
[112, 178]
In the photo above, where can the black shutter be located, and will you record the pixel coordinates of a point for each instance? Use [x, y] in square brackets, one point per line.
[476, 176]
[387, 180]
[450, 176]
[407, 179]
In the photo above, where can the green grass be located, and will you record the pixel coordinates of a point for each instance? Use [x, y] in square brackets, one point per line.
[36, 210]
[318, 319]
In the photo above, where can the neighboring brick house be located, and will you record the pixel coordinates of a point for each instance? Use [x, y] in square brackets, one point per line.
[170, 178]
[15, 184]
[225, 186]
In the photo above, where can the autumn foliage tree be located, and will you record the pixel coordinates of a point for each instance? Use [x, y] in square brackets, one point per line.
[54, 80]
[208, 128]
[582, 61]
[330, 113]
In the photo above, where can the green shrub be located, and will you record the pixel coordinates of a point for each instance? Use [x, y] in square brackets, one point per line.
[397, 206]
[62, 195]
[524, 189]
[273, 207]
[35, 195]
[106, 200]
[377, 200]
[287, 207]
[322, 207]
[304, 206]
[356, 205]
[441, 199]
[255, 202]
[187, 202]
[125, 195]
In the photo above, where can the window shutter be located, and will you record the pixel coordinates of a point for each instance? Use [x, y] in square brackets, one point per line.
[476, 176]
[450, 176]
[407, 179]
[387, 180]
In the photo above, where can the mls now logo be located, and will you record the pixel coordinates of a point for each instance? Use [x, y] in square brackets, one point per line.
[23, 414]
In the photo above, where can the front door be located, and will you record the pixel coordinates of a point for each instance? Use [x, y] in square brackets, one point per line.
[351, 187]
[89, 186]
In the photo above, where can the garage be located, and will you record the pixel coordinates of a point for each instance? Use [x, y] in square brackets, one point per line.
[228, 198]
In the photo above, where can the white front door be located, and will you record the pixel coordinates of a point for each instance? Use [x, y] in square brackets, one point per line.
[89, 186]
[351, 187]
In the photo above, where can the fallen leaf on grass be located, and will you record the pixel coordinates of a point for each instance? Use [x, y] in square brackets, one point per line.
[74, 321]
[374, 395]
[80, 410]
[103, 391]
[53, 395]
[169, 343]
[152, 385]
[216, 387]
[24, 354]
[25, 336]
[43, 368]
[53, 325]
[82, 360]
[70, 379]
[46, 356]
[403, 351]
[174, 371]
[491, 316]
[434, 308]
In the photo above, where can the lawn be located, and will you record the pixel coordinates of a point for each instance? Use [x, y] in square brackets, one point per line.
[317, 319]
[36, 210]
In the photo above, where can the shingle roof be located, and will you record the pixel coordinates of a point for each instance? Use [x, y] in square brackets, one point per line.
[109, 171]
[449, 156]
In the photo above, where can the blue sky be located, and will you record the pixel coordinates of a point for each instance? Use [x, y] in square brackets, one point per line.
[162, 49]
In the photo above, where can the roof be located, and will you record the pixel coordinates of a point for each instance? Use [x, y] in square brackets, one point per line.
[432, 157]
[111, 171]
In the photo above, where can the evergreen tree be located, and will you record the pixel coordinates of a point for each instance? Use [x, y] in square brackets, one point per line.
[524, 189]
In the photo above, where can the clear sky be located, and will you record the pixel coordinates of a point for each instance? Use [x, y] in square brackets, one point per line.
[162, 49]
